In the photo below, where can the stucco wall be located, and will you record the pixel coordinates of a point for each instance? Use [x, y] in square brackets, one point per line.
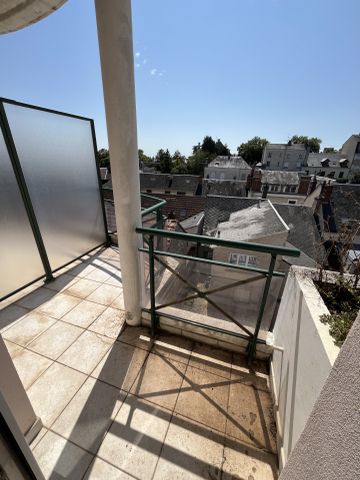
[300, 371]
[329, 447]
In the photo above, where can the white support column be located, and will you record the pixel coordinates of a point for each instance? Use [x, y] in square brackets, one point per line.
[117, 65]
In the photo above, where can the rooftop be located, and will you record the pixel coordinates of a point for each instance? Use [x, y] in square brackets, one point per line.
[283, 146]
[279, 177]
[116, 404]
[229, 162]
[315, 159]
[254, 222]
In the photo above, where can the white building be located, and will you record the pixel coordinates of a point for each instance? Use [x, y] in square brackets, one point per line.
[287, 156]
[331, 165]
[227, 168]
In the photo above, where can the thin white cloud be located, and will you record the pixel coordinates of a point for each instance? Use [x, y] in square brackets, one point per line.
[153, 71]
[145, 61]
[137, 54]
[137, 65]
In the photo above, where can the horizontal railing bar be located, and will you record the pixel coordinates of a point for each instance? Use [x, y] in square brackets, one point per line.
[212, 262]
[207, 327]
[255, 247]
[153, 208]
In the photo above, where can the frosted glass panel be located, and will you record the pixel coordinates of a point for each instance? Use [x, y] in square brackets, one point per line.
[57, 157]
[20, 262]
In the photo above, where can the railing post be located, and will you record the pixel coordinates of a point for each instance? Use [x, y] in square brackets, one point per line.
[152, 284]
[252, 343]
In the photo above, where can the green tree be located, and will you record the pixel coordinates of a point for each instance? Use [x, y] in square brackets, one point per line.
[330, 150]
[144, 159]
[221, 149]
[198, 161]
[103, 158]
[164, 159]
[251, 151]
[208, 145]
[313, 143]
[178, 164]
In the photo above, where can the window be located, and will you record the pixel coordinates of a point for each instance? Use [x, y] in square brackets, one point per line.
[243, 176]
[274, 188]
[287, 188]
[180, 193]
[148, 190]
[293, 189]
[212, 175]
[292, 202]
[242, 260]
[183, 212]
[269, 155]
[167, 191]
[286, 165]
[222, 176]
[268, 163]
[341, 174]
[331, 175]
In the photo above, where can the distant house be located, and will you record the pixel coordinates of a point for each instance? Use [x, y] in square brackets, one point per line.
[230, 168]
[331, 165]
[351, 150]
[226, 188]
[287, 156]
[283, 187]
[154, 183]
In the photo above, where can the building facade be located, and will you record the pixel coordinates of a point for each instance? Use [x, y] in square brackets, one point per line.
[287, 156]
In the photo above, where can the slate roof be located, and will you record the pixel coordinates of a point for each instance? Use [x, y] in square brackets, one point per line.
[250, 223]
[218, 209]
[344, 206]
[303, 232]
[158, 181]
[229, 162]
[314, 159]
[181, 205]
[184, 183]
[225, 188]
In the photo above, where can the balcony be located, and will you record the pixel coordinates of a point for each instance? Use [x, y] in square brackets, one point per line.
[118, 403]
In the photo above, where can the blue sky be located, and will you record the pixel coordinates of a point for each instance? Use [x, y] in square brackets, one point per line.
[228, 68]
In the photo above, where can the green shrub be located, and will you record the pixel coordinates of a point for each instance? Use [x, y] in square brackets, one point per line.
[339, 324]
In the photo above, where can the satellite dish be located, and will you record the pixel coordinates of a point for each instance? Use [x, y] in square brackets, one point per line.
[17, 14]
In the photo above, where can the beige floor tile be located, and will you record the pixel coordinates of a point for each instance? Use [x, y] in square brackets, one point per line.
[104, 295]
[136, 336]
[103, 470]
[35, 298]
[190, 452]
[10, 315]
[244, 462]
[250, 417]
[121, 365]
[84, 314]
[203, 398]
[138, 431]
[160, 380]
[81, 270]
[86, 352]
[89, 414]
[82, 288]
[59, 305]
[99, 274]
[38, 437]
[28, 328]
[61, 282]
[119, 300]
[56, 339]
[59, 459]
[51, 392]
[114, 279]
[250, 376]
[30, 366]
[109, 323]
[12, 348]
[173, 347]
[212, 360]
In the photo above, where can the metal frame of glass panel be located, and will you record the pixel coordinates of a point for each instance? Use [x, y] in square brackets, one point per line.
[24, 191]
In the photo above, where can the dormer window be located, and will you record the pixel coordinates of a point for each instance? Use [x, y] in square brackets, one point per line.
[325, 162]
[344, 163]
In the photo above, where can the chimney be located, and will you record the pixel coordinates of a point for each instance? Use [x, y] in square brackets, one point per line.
[304, 185]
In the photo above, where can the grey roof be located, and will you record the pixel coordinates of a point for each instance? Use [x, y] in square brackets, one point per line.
[303, 261]
[257, 221]
[227, 188]
[192, 221]
[218, 209]
[149, 181]
[229, 162]
[184, 183]
[283, 146]
[314, 159]
[303, 233]
[279, 177]
[344, 205]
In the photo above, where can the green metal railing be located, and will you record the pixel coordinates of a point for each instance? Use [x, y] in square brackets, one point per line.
[263, 273]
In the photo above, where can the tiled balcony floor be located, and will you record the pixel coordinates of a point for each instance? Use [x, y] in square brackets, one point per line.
[116, 404]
